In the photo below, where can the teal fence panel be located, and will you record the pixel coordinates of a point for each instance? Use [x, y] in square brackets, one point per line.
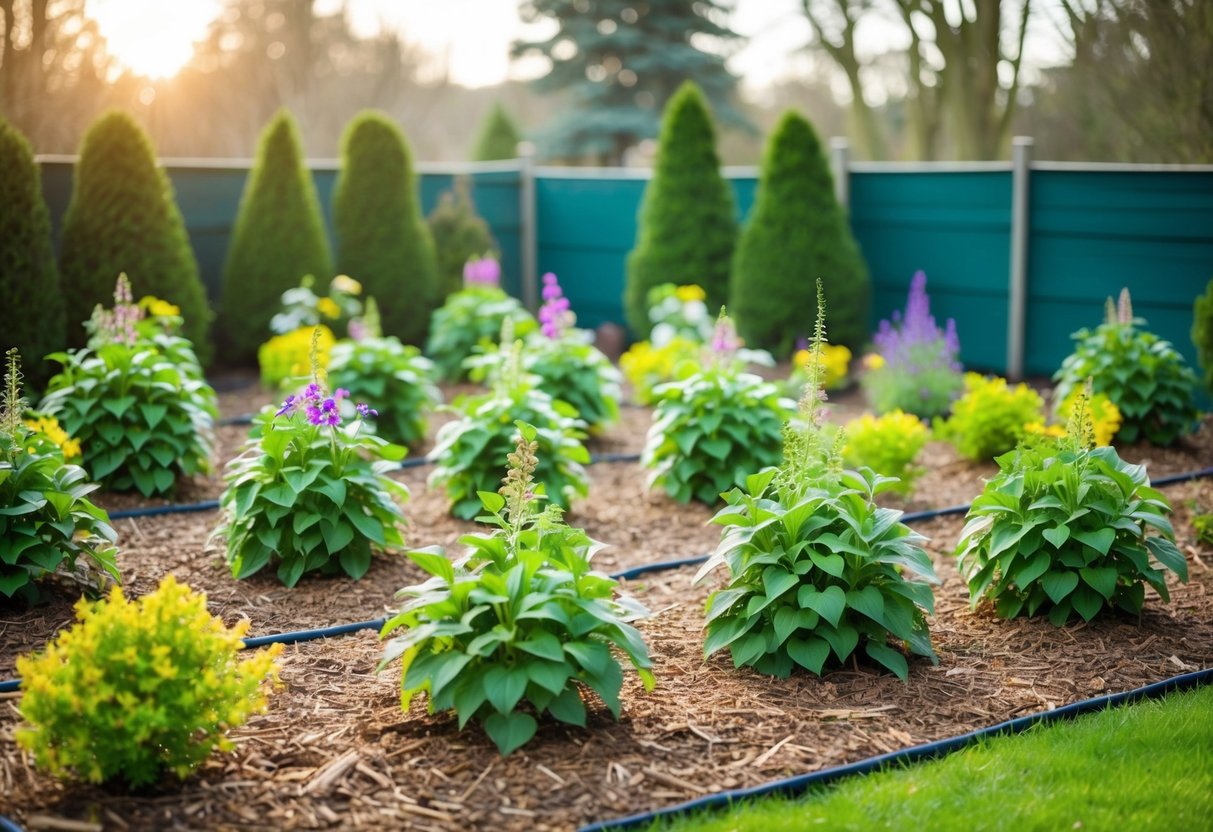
[1095, 231]
[955, 226]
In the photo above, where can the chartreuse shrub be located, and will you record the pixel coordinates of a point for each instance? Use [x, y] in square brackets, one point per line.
[564, 360]
[916, 367]
[796, 228]
[520, 626]
[31, 316]
[686, 229]
[816, 569]
[1105, 417]
[835, 359]
[498, 138]
[278, 238]
[460, 234]
[466, 449]
[286, 358]
[887, 444]
[1069, 528]
[122, 218]
[393, 378]
[714, 428]
[990, 417]
[47, 523]
[1202, 333]
[382, 238]
[135, 689]
[310, 492]
[135, 400]
[473, 318]
[1144, 376]
[646, 366]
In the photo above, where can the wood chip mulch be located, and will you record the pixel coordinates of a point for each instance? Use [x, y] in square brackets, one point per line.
[334, 750]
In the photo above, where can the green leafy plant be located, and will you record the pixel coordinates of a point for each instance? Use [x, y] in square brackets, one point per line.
[797, 227]
[990, 417]
[465, 449]
[395, 379]
[1069, 528]
[815, 567]
[459, 233]
[135, 689]
[311, 492]
[137, 404]
[711, 430]
[47, 523]
[1143, 375]
[887, 444]
[678, 312]
[1202, 333]
[522, 619]
[1203, 525]
[473, 317]
[302, 308]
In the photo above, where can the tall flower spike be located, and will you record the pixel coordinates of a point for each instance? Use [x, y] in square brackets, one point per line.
[1109, 311]
[1081, 428]
[516, 486]
[1124, 308]
[314, 358]
[12, 405]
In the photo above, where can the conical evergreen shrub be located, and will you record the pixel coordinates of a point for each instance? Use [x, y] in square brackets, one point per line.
[278, 238]
[498, 137]
[382, 238]
[797, 232]
[31, 309]
[459, 233]
[686, 227]
[122, 218]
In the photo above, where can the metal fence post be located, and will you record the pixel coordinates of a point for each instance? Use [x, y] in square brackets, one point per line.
[528, 225]
[840, 166]
[1017, 288]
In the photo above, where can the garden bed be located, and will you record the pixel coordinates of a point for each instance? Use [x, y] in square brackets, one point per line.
[334, 749]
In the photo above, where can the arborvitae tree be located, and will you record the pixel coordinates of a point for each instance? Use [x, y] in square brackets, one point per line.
[122, 218]
[797, 232]
[498, 138]
[382, 238]
[278, 238]
[686, 226]
[459, 233]
[31, 313]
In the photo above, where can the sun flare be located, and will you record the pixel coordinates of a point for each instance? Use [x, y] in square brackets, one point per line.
[153, 38]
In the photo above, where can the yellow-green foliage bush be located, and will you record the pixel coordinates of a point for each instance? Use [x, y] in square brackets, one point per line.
[991, 416]
[888, 445]
[646, 366]
[137, 688]
[287, 357]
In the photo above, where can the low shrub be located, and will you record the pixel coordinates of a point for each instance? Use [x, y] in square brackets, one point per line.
[1066, 527]
[1144, 376]
[285, 359]
[991, 417]
[521, 619]
[646, 366]
[135, 689]
[888, 445]
[460, 234]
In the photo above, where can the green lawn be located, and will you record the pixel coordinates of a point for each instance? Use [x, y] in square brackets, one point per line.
[1147, 766]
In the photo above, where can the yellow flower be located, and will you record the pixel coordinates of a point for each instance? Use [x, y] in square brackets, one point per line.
[873, 361]
[158, 308]
[49, 427]
[834, 361]
[345, 283]
[1041, 429]
[328, 308]
[689, 293]
[287, 357]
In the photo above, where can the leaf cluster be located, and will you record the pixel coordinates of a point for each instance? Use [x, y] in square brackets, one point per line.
[991, 417]
[310, 498]
[1067, 528]
[137, 688]
[393, 378]
[143, 414]
[469, 319]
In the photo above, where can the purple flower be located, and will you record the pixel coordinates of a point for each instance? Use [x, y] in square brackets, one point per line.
[288, 406]
[724, 339]
[913, 342]
[482, 271]
[555, 315]
[364, 410]
[341, 393]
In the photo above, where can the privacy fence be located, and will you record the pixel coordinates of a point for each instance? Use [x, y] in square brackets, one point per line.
[1020, 253]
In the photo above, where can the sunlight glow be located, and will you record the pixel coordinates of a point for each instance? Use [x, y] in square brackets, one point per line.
[153, 38]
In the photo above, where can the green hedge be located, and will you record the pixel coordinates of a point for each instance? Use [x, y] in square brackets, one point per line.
[459, 233]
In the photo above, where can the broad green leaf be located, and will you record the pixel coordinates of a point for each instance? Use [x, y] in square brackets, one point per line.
[828, 604]
[505, 686]
[544, 645]
[1057, 535]
[1087, 602]
[1058, 585]
[1099, 539]
[568, 707]
[890, 658]
[1101, 579]
[810, 653]
[510, 731]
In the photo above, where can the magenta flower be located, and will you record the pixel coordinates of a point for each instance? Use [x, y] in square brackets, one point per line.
[555, 316]
[482, 271]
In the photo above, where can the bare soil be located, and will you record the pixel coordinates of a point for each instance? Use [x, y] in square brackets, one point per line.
[334, 750]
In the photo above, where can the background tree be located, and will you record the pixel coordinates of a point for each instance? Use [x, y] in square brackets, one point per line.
[499, 137]
[797, 232]
[459, 233]
[620, 62]
[278, 238]
[122, 218]
[686, 228]
[382, 238]
[31, 316]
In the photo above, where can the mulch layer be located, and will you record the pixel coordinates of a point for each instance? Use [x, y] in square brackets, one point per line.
[334, 750]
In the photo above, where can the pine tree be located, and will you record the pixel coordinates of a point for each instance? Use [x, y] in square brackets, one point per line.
[686, 229]
[498, 137]
[797, 232]
[31, 314]
[278, 238]
[459, 233]
[122, 217]
[628, 61]
[382, 238]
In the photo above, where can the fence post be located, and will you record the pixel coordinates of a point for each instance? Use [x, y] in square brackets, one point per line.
[840, 166]
[528, 226]
[1017, 288]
